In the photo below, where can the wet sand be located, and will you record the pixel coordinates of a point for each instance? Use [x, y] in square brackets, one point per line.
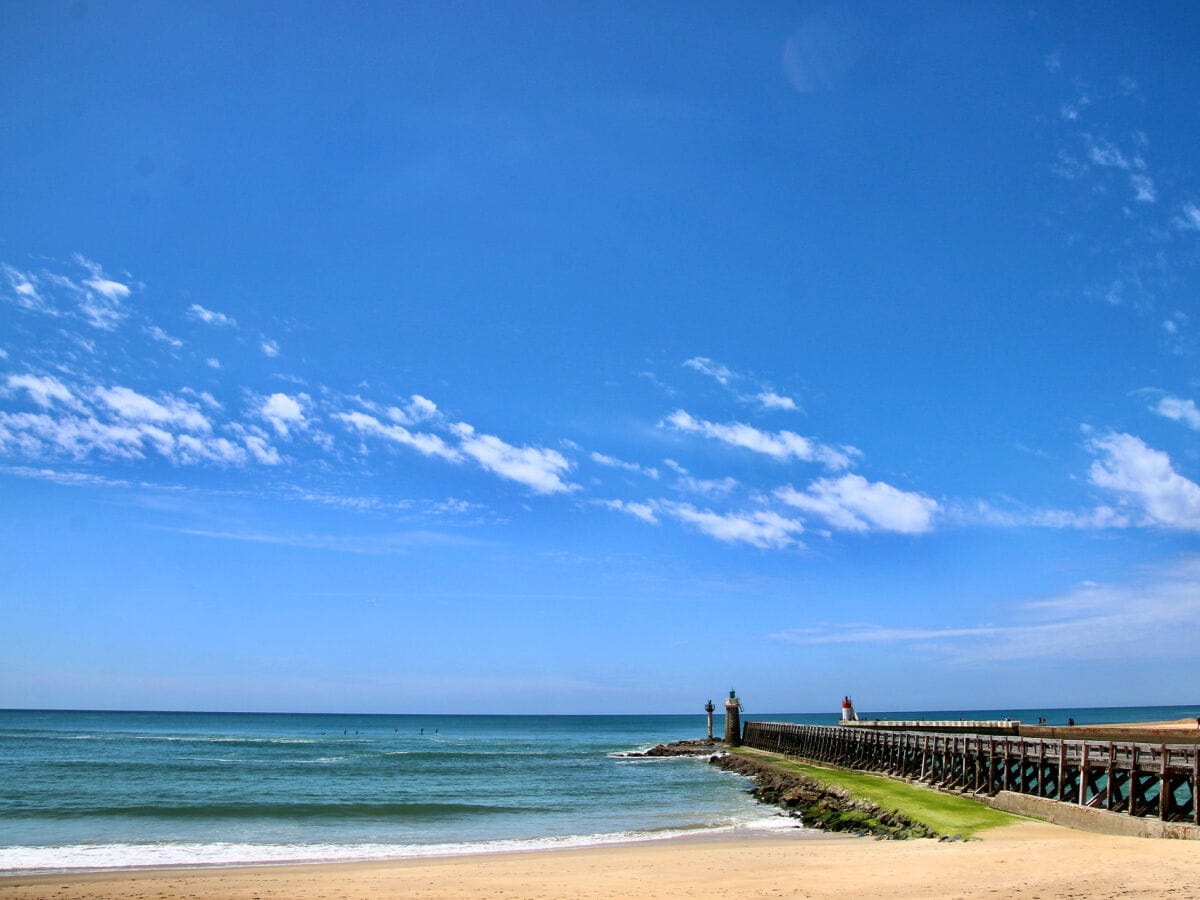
[1028, 859]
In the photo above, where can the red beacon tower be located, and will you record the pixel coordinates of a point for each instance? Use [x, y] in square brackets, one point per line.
[848, 713]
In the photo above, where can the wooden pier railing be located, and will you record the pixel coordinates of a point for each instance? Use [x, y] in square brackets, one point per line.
[1147, 780]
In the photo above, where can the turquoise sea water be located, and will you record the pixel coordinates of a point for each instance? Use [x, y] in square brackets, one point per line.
[127, 789]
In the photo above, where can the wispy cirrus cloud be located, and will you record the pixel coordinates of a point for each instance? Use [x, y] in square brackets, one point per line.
[780, 445]
[198, 313]
[1149, 616]
[765, 398]
[369, 545]
[162, 337]
[23, 289]
[612, 462]
[643, 511]
[705, 366]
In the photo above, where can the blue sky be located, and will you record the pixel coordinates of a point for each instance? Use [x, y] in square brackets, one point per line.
[592, 358]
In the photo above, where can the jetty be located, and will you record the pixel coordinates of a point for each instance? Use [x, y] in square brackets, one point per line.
[1070, 780]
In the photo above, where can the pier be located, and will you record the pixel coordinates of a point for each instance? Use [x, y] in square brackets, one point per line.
[1137, 779]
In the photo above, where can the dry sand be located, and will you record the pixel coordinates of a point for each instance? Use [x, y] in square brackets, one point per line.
[1029, 859]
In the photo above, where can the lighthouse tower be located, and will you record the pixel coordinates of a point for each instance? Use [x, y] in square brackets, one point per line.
[848, 713]
[733, 725]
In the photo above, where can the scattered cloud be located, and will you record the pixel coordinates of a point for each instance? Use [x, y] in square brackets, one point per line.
[780, 445]
[270, 349]
[1145, 479]
[535, 467]
[1178, 410]
[1188, 218]
[23, 289]
[284, 413]
[760, 528]
[642, 511]
[1143, 189]
[212, 362]
[706, 366]
[101, 300]
[162, 337]
[414, 411]
[1107, 155]
[131, 406]
[44, 391]
[199, 313]
[614, 463]
[771, 400]
[424, 443]
[851, 503]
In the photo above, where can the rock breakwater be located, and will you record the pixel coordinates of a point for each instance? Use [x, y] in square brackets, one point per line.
[820, 805]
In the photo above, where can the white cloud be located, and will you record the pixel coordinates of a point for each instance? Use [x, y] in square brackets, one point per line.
[36, 434]
[101, 300]
[852, 503]
[132, 406]
[418, 409]
[270, 348]
[1143, 189]
[613, 463]
[705, 486]
[426, 444]
[162, 337]
[772, 400]
[283, 412]
[80, 436]
[1189, 218]
[781, 445]
[762, 528]
[24, 289]
[980, 512]
[1106, 154]
[212, 362]
[200, 313]
[1145, 478]
[1179, 410]
[43, 391]
[637, 510]
[536, 467]
[261, 450]
[706, 366]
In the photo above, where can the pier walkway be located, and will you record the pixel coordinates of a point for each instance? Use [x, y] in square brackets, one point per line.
[1141, 780]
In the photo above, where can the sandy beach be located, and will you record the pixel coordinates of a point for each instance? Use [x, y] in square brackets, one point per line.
[1029, 859]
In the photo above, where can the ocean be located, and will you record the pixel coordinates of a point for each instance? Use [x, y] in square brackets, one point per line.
[95, 790]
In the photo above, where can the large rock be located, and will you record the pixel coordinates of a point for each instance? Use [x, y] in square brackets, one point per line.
[681, 748]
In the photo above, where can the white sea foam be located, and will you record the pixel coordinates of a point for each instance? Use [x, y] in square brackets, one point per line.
[93, 857]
